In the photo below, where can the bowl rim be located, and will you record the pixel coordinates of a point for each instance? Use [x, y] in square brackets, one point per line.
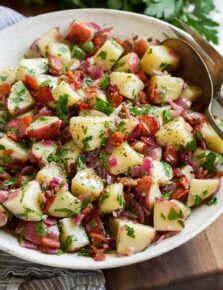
[119, 261]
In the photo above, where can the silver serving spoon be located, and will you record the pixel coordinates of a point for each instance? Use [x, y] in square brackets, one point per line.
[203, 66]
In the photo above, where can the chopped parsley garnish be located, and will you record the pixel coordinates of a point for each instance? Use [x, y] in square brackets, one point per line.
[10, 181]
[62, 109]
[167, 194]
[2, 147]
[86, 252]
[130, 231]
[45, 83]
[145, 110]
[173, 215]
[6, 159]
[103, 106]
[210, 163]
[86, 141]
[167, 168]
[26, 143]
[3, 78]
[120, 200]
[192, 145]
[212, 201]
[104, 196]
[197, 199]
[167, 116]
[66, 210]
[104, 82]
[102, 54]
[68, 242]
[80, 163]
[93, 223]
[102, 137]
[42, 119]
[103, 159]
[21, 93]
[88, 81]
[181, 223]
[41, 229]
[165, 66]
[1, 170]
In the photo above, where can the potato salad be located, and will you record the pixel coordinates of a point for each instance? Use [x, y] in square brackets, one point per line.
[103, 147]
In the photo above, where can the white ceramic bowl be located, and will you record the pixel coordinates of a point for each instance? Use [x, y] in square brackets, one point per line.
[14, 42]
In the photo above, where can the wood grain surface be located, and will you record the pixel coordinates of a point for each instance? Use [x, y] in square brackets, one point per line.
[197, 265]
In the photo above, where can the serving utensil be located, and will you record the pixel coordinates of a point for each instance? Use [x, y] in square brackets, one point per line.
[203, 66]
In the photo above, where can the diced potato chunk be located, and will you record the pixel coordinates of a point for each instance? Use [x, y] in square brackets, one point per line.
[87, 132]
[191, 93]
[112, 199]
[17, 152]
[42, 150]
[7, 76]
[131, 237]
[200, 155]
[123, 158]
[159, 57]
[212, 139]
[168, 216]
[64, 204]
[154, 192]
[87, 181]
[48, 173]
[108, 54]
[32, 66]
[24, 202]
[176, 133]
[187, 171]
[129, 85]
[65, 89]
[166, 87]
[19, 100]
[70, 152]
[201, 189]
[46, 80]
[60, 50]
[51, 36]
[73, 237]
[162, 172]
[128, 63]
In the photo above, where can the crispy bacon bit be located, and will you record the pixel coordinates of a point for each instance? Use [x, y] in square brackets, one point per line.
[30, 82]
[76, 78]
[4, 90]
[144, 183]
[149, 125]
[140, 47]
[115, 100]
[117, 138]
[126, 181]
[180, 194]
[170, 155]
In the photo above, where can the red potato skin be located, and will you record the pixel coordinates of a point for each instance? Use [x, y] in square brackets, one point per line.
[80, 32]
[133, 63]
[46, 132]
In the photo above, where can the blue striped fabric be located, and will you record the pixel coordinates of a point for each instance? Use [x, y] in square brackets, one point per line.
[19, 274]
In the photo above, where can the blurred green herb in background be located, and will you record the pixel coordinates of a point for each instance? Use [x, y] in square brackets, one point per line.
[195, 13]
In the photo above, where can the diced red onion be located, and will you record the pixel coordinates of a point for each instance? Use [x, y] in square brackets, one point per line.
[136, 171]
[146, 165]
[78, 219]
[177, 110]
[109, 178]
[113, 162]
[184, 103]
[3, 195]
[28, 245]
[49, 221]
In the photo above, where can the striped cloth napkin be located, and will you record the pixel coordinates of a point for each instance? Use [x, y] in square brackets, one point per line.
[19, 274]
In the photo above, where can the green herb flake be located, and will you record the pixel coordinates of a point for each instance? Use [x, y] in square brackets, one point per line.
[104, 196]
[130, 231]
[2, 147]
[167, 194]
[86, 252]
[104, 82]
[165, 66]
[167, 116]
[120, 200]
[68, 242]
[103, 106]
[192, 145]
[212, 201]
[41, 229]
[80, 163]
[94, 223]
[163, 216]
[145, 110]
[102, 137]
[86, 141]
[62, 109]
[102, 54]
[167, 168]
[173, 214]
[197, 199]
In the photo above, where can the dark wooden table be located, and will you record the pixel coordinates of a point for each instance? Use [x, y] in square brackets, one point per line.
[197, 265]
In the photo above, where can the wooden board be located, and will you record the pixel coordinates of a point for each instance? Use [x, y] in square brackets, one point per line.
[197, 265]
